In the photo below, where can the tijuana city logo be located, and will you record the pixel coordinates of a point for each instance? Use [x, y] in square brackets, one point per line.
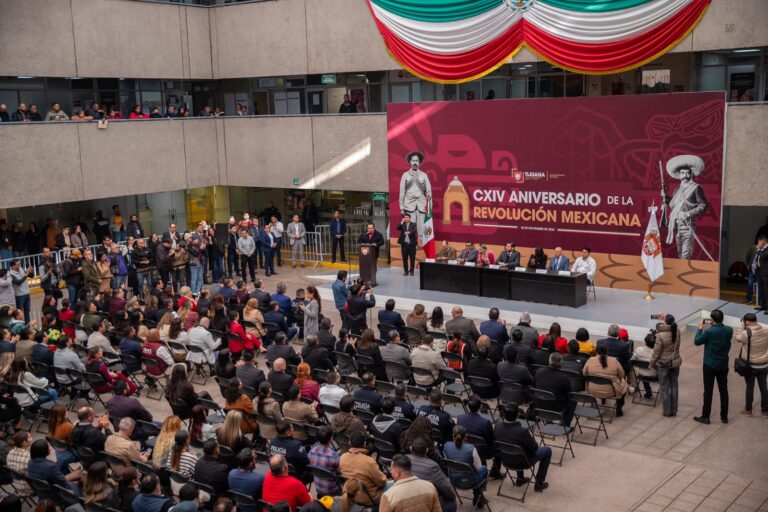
[520, 177]
[519, 5]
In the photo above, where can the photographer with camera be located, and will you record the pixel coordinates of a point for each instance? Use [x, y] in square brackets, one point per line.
[666, 360]
[360, 300]
[716, 339]
[754, 337]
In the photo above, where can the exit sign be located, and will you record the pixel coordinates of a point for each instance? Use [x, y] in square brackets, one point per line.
[328, 79]
[379, 196]
[296, 182]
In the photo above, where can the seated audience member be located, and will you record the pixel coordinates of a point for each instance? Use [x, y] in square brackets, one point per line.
[417, 319]
[180, 390]
[201, 337]
[344, 422]
[530, 334]
[427, 469]
[389, 317]
[210, 469]
[427, 358]
[298, 412]
[98, 488]
[494, 349]
[511, 370]
[396, 352]
[150, 497]
[609, 368]
[123, 405]
[644, 352]
[385, 426]
[403, 407]
[278, 317]
[230, 434]
[434, 412]
[552, 379]
[224, 368]
[86, 434]
[182, 459]
[131, 345]
[561, 344]
[458, 347]
[240, 340]
[41, 468]
[616, 348]
[280, 380]
[310, 389]
[292, 449]
[331, 392]
[190, 498]
[358, 464]
[249, 374]
[510, 431]
[317, 357]
[368, 346]
[495, 328]
[461, 326]
[585, 346]
[280, 486]
[326, 339]
[409, 492]
[479, 426]
[540, 356]
[120, 444]
[244, 479]
[235, 399]
[481, 366]
[280, 349]
[460, 450]
[268, 406]
[574, 360]
[324, 455]
[367, 398]
[102, 380]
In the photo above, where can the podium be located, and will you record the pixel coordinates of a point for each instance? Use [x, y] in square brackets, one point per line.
[367, 257]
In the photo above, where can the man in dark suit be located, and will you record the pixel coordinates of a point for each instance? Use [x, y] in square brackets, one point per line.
[617, 348]
[408, 241]
[260, 294]
[280, 381]
[510, 370]
[388, 316]
[551, 378]
[326, 339]
[494, 328]
[761, 271]
[559, 261]
[512, 432]
[280, 349]
[338, 230]
[481, 366]
[360, 300]
[276, 316]
[41, 468]
[510, 257]
[371, 236]
[460, 326]
[523, 349]
[482, 427]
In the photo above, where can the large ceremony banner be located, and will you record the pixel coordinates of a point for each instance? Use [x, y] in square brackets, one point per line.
[569, 172]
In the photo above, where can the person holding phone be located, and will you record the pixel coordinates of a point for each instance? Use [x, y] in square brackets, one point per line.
[666, 360]
[716, 339]
[754, 339]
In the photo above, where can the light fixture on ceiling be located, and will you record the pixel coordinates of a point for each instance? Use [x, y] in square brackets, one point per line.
[747, 50]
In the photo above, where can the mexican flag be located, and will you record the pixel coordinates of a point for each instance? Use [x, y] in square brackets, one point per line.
[651, 251]
[428, 238]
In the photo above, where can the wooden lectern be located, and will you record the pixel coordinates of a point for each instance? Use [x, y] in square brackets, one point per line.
[367, 255]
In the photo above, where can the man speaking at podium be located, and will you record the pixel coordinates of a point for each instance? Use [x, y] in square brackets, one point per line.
[372, 237]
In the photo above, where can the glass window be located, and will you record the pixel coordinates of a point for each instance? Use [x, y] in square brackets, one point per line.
[82, 84]
[58, 83]
[517, 87]
[710, 78]
[427, 91]
[741, 83]
[401, 93]
[107, 83]
[470, 91]
[574, 85]
[127, 84]
[497, 85]
[151, 85]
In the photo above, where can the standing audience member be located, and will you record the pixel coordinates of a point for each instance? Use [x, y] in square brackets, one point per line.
[666, 360]
[754, 338]
[716, 339]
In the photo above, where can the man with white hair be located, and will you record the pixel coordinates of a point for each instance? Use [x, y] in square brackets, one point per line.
[120, 444]
[200, 336]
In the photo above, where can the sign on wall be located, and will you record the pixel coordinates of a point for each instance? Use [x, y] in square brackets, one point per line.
[569, 172]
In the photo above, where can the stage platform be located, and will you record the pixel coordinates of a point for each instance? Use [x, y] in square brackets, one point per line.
[624, 307]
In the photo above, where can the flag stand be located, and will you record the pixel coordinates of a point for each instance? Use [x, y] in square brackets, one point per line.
[648, 295]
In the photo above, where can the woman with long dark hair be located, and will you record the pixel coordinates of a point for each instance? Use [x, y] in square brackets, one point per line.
[224, 367]
[98, 487]
[180, 390]
[312, 312]
[538, 259]
[236, 400]
[181, 459]
[200, 430]
[368, 346]
[96, 365]
[561, 344]
[602, 365]
[268, 406]
[666, 360]
[128, 488]
[243, 341]
[436, 321]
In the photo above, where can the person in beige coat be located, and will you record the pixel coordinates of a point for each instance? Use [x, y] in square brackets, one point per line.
[666, 360]
[357, 463]
[268, 406]
[758, 360]
[609, 368]
[427, 358]
[251, 313]
[296, 411]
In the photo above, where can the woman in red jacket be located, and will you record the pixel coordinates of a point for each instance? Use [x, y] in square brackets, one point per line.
[561, 344]
[136, 113]
[246, 341]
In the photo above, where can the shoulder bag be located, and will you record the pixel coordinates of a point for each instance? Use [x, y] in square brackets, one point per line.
[741, 365]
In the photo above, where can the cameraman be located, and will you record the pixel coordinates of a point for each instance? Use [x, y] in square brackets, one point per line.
[359, 301]
[716, 339]
[754, 336]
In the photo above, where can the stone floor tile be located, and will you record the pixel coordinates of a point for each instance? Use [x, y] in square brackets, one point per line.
[690, 498]
[649, 507]
[682, 506]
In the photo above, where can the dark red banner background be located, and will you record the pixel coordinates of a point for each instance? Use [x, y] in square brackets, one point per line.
[608, 146]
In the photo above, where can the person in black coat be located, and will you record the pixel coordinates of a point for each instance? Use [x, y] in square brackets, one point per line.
[326, 339]
[360, 300]
[281, 350]
[482, 427]
[574, 360]
[510, 370]
[371, 236]
[385, 426]
[408, 240]
[523, 349]
[388, 316]
[367, 398]
[280, 381]
[316, 356]
[481, 366]
[617, 348]
[512, 432]
[211, 470]
[551, 378]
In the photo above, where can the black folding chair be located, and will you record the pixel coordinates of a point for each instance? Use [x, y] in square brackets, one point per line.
[552, 426]
[384, 448]
[157, 377]
[454, 381]
[199, 369]
[638, 397]
[603, 381]
[413, 336]
[215, 408]
[463, 476]
[513, 459]
[588, 409]
[345, 363]
[396, 370]
[319, 473]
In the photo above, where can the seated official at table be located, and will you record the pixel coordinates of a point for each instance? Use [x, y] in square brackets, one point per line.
[559, 261]
[469, 253]
[509, 257]
[446, 252]
[538, 259]
[585, 265]
[484, 256]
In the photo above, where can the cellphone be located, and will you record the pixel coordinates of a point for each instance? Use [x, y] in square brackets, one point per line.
[707, 321]
[656, 316]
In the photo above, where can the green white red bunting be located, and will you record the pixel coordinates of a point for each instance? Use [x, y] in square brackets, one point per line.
[460, 40]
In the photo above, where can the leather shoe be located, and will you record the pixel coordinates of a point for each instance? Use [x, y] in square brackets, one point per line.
[701, 419]
[724, 420]
[522, 481]
[540, 487]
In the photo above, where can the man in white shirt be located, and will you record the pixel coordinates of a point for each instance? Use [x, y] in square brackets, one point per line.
[277, 232]
[200, 336]
[330, 392]
[97, 338]
[585, 265]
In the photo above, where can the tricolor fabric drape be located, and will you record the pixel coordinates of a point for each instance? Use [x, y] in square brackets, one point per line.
[454, 41]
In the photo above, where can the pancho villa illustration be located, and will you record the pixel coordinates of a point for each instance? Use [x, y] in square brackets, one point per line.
[685, 205]
[415, 190]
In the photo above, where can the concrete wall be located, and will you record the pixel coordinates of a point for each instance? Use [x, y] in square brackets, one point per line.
[746, 154]
[125, 38]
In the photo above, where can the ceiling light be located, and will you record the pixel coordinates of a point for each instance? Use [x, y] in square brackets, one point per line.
[24, 77]
[747, 50]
